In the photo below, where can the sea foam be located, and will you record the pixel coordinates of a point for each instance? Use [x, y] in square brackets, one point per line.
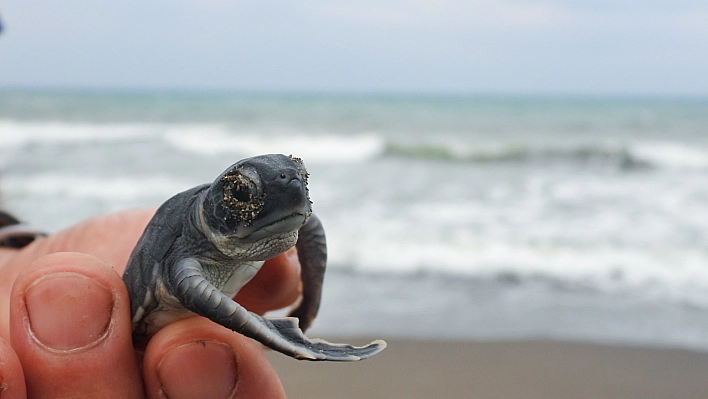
[312, 148]
[115, 189]
[22, 133]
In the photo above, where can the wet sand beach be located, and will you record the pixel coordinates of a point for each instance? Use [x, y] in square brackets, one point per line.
[504, 370]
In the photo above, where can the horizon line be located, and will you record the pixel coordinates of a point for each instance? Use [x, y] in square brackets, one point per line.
[314, 93]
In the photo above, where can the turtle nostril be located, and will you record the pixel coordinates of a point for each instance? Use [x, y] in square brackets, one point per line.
[287, 177]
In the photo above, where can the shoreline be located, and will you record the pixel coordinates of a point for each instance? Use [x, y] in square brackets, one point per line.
[411, 368]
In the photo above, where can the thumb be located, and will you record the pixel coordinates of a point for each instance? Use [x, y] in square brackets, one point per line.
[70, 328]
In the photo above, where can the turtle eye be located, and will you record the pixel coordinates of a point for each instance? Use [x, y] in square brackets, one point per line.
[241, 193]
[241, 199]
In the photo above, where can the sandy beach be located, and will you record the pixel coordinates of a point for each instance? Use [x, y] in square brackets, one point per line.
[505, 370]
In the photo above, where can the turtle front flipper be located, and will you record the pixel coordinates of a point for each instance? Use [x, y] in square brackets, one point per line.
[312, 254]
[283, 335]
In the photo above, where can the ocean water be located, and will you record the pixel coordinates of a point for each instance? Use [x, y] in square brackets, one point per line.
[480, 217]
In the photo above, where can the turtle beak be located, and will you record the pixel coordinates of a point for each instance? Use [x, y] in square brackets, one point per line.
[286, 207]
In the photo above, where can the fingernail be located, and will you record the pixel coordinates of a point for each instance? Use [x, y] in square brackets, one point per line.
[201, 369]
[68, 310]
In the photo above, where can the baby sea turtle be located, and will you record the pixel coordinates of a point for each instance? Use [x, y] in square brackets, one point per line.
[204, 244]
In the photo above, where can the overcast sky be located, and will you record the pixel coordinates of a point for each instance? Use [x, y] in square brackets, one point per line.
[603, 47]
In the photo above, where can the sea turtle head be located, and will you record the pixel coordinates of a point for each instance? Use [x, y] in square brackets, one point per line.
[257, 201]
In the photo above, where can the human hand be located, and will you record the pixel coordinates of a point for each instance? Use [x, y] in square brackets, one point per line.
[67, 317]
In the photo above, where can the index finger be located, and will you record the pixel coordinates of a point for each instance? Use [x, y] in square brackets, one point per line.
[110, 238]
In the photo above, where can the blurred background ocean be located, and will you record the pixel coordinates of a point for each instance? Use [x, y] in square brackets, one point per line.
[485, 169]
[455, 217]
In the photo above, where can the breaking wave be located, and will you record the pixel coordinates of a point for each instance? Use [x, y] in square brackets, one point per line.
[332, 147]
[18, 134]
[312, 148]
[78, 187]
[630, 156]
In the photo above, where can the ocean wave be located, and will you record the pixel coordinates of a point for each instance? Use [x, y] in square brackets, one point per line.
[631, 156]
[664, 273]
[670, 155]
[206, 139]
[505, 152]
[200, 139]
[16, 134]
[111, 189]
[312, 148]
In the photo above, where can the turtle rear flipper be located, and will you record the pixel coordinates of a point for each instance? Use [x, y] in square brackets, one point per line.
[283, 335]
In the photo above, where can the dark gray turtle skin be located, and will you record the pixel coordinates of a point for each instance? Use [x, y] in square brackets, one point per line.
[204, 244]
